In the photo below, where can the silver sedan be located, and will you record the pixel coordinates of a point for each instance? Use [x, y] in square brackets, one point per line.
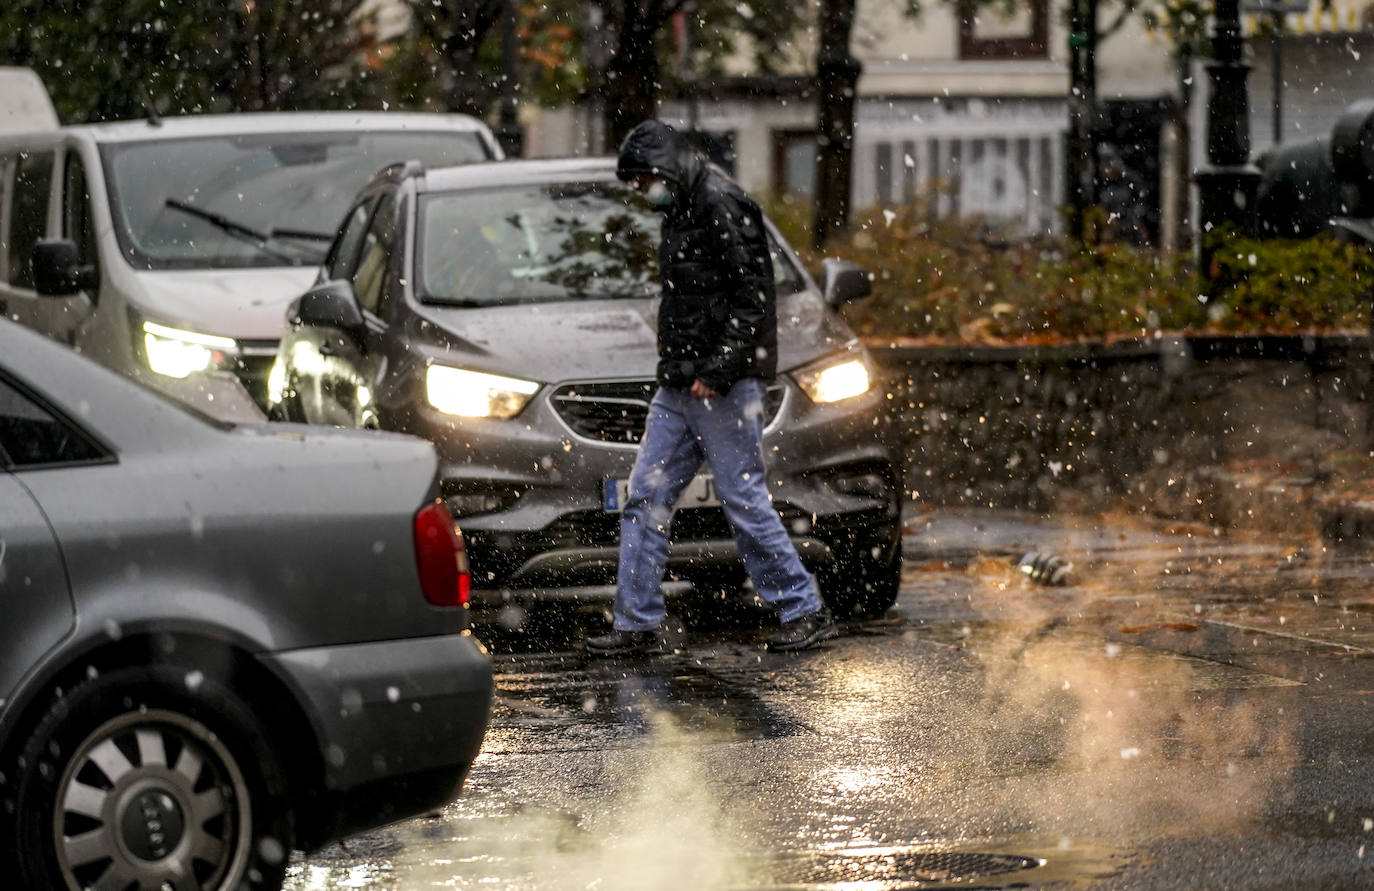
[217, 644]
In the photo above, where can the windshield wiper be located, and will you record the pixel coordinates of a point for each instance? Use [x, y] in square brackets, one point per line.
[219, 220]
[234, 227]
[464, 302]
[304, 234]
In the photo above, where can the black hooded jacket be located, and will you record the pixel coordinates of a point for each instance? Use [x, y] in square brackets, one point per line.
[718, 321]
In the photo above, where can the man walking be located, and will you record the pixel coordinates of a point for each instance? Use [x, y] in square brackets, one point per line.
[717, 348]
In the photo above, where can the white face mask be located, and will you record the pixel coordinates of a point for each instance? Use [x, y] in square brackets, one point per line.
[659, 194]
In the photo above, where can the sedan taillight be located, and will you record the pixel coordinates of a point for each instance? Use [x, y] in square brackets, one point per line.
[441, 557]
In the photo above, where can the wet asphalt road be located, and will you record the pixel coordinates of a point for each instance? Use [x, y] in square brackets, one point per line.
[1191, 711]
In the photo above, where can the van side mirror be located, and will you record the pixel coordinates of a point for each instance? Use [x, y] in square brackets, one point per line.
[57, 269]
[843, 281]
[331, 304]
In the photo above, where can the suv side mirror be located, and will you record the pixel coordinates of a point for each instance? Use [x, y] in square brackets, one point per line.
[57, 269]
[843, 281]
[331, 304]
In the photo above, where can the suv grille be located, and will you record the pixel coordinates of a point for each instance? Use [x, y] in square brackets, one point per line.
[616, 411]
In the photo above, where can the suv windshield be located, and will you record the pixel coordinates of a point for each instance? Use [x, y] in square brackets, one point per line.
[263, 199]
[563, 241]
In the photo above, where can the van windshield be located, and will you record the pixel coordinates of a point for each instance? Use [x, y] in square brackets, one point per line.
[263, 199]
[538, 243]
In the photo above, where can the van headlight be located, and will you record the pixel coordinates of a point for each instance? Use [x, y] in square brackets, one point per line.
[835, 378]
[476, 394]
[177, 353]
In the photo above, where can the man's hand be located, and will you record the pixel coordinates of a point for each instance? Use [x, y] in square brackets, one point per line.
[702, 391]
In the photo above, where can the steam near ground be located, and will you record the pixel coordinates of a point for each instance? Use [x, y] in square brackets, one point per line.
[1060, 715]
[1151, 740]
[661, 826]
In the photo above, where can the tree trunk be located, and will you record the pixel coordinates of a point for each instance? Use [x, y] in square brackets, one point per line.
[469, 23]
[631, 85]
[837, 74]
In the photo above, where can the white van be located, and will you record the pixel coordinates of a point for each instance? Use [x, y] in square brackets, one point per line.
[24, 101]
[169, 249]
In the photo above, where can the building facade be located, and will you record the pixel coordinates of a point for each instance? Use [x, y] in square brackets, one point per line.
[967, 112]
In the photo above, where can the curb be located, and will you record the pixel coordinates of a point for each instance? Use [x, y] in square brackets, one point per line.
[1263, 503]
[1347, 523]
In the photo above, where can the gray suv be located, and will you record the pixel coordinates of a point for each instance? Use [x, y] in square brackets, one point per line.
[507, 313]
[211, 653]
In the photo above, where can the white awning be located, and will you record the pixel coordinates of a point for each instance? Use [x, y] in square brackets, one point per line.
[1338, 17]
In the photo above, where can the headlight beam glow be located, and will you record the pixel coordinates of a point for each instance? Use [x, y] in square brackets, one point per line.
[835, 382]
[177, 353]
[476, 394]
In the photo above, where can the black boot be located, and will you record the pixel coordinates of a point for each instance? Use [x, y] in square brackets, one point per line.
[809, 630]
[624, 643]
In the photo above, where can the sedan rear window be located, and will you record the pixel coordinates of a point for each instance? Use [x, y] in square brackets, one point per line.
[532, 244]
[269, 199]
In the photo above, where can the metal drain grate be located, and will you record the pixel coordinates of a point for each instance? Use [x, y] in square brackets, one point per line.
[893, 867]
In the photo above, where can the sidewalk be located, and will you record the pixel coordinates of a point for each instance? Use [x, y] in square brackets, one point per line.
[1215, 507]
[1269, 434]
[1334, 501]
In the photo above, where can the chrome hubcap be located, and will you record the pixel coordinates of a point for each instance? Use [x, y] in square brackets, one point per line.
[152, 801]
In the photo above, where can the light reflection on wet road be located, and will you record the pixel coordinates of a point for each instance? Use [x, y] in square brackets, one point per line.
[1191, 711]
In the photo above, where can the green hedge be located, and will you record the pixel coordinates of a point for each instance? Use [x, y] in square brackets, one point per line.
[946, 281]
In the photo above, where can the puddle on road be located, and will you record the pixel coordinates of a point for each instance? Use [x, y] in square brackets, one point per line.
[614, 703]
[500, 851]
[655, 822]
[1064, 863]
[1060, 728]
[1342, 626]
[1051, 649]
[319, 877]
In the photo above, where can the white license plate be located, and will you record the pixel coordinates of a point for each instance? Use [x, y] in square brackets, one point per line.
[700, 492]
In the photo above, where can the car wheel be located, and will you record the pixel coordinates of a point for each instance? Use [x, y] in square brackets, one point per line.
[153, 777]
[290, 407]
[863, 584]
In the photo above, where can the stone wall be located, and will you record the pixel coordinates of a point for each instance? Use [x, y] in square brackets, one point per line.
[1145, 422]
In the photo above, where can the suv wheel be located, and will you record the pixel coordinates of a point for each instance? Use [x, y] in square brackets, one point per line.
[151, 778]
[290, 408]
[862, 584]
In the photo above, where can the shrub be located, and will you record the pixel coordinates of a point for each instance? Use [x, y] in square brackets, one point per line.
[1284, 285]
[954, 281]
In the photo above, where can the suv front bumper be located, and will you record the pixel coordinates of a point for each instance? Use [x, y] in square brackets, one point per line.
[528, 495]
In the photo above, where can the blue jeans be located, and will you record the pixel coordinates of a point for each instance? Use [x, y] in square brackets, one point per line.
[727, 432]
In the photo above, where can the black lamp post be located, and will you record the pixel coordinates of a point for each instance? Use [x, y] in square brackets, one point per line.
[1081, 157]
[1228, 182]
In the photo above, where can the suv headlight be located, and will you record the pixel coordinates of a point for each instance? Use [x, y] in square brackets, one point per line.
[476, 394]
[178, 353]
[276, 381]
[835, 378]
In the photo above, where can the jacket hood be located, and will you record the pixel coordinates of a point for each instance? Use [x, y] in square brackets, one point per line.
[656, 149]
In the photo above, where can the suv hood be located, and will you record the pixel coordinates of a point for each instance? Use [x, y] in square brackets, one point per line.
[245, 304]
[603, 339]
